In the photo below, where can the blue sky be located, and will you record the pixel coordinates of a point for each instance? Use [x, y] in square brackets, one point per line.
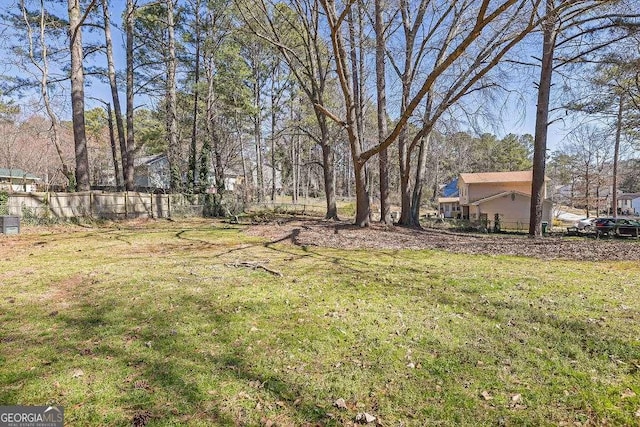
[518, 117]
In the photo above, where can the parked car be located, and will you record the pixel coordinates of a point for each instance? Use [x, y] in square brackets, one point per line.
[585, 224]
[618, 226]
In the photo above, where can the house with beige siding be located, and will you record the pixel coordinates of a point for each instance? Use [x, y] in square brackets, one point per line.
[503, 197]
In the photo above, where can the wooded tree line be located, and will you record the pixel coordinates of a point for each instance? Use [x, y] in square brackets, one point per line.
[366, 98]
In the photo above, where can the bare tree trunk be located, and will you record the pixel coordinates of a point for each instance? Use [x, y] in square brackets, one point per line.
[294, 172]
[173, 149]
[193, 164]
[111, 71]
[128, 169]
[542, 119]
[273, 132]
[587, 192]
[419, 182]
[114, 149]
[354, 117]
[616, 155]
[383, 156]
[257, 131]
[363, 207]
[43, 67]
[77, 95]
[329, 179]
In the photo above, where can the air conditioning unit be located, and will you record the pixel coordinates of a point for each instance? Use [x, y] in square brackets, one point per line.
[9, 224]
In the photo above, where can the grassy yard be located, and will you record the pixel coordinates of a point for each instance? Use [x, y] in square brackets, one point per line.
[167, 323]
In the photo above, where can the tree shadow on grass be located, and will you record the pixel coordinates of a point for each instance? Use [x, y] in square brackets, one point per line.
[159, 370]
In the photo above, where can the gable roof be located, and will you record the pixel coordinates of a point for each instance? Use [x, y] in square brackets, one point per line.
[494, 177]
[628, 196]
[149, 160]
[17, 173]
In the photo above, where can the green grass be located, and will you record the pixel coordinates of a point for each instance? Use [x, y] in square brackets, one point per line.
[160, 321]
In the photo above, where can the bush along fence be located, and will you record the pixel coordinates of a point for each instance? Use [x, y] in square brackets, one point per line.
[123, 205]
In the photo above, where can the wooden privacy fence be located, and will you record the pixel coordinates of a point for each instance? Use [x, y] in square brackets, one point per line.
[93, 204]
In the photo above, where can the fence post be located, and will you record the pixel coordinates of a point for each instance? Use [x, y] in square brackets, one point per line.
[126, 205]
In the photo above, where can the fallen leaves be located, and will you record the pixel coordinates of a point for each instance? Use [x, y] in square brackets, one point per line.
[365, 418]
[628, 393]
[321, 233]
[486, 395]
[340, 403]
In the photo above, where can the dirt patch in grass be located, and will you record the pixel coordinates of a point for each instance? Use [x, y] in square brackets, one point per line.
[343, 235]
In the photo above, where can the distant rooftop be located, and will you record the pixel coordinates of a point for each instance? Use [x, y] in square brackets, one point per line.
[17, 173]
[491, 177]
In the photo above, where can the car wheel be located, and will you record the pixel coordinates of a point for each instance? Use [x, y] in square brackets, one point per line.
[587, 228]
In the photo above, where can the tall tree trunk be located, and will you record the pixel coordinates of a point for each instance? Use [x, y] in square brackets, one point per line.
[363, 207]
[257, 131]
[295, 150]
[193, 164]
[113, 84]
[173, 149]
[114, 149]
[616, 155]
[383, 156]
[418, 185]
[274, 100]
[77, 95]
[43, 67]
[328, 174]
[587, 192]
[128, 169]
[363, 197]
[542, 119]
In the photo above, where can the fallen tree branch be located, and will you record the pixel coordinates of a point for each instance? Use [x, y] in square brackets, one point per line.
[254, 266]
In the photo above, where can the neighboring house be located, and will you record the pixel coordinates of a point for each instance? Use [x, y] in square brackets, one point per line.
[505, 196]
[485, 197]
[449, 207]
[152, 172]
[231, 181]
[449, 203]
[629, 203]
[17, 180]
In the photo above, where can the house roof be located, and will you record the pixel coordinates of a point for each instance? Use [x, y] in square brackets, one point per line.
[628, 196]
[495, 177]
[17, 173]
[451, 189]
[148, 160]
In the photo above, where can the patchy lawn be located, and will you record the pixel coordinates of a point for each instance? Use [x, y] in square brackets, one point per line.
[200, 323]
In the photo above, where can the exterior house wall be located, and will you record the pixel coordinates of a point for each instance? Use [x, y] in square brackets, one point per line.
[152, 172]
[484, 190]
[513, 208]
[26, 187]
[450, 209]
